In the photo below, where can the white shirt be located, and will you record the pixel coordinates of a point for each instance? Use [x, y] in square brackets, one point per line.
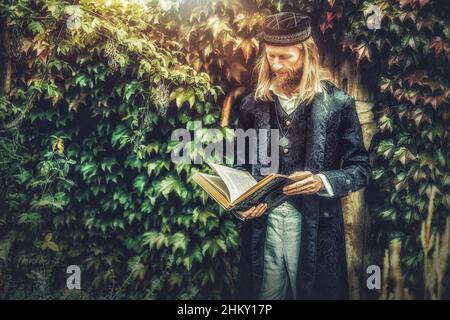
[289, 105]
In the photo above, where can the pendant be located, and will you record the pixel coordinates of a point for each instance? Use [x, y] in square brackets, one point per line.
[284, 142]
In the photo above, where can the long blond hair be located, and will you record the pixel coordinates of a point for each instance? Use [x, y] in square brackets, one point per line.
[309, 81]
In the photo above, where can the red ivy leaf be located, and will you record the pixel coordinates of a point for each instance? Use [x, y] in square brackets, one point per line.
[423, 3]
[408, 15]
[246, 46]
[404, 3]
[435, 101]
[362, 52]
[412, 96]
[415, 78]
[328, 23]
[438, 46]
[398, 94]
[330, 16]
[386, 85]
[393, 60]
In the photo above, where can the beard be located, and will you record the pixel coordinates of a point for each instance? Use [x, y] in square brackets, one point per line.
[288, 80]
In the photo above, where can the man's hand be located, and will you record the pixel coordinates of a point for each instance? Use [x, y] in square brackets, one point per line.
[253, 212]
[306, 183]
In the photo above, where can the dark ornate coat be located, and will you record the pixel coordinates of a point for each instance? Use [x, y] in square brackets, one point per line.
[334, 147]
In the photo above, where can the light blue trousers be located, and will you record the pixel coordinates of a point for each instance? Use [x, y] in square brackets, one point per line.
[281, 252]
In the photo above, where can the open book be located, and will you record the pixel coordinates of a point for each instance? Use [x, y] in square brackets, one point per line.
[236, 189]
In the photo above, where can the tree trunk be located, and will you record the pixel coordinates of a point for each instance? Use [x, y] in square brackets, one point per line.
[5, 66]
[345, 74]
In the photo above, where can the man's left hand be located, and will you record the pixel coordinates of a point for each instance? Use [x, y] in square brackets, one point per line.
[306, 183]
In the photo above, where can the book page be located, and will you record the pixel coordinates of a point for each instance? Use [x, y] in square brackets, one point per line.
[237, 181]
[220, 196]
[219, 184]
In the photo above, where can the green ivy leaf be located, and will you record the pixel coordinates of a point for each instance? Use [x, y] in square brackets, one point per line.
[179, 241]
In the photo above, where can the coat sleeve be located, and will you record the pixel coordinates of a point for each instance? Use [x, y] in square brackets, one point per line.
[355, 172]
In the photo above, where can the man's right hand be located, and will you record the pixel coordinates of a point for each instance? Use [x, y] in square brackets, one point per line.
[253, 212]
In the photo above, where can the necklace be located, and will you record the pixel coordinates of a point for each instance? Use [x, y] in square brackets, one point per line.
[284, 141]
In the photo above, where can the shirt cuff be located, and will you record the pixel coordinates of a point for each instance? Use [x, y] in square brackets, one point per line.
[328, 192]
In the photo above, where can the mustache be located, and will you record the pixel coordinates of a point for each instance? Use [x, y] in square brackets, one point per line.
[290, 70]
[285, 70]
[291, 73]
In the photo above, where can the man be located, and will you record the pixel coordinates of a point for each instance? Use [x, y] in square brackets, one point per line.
[297, 250]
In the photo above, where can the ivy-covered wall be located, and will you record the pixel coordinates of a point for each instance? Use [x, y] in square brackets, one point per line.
[86, 172]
